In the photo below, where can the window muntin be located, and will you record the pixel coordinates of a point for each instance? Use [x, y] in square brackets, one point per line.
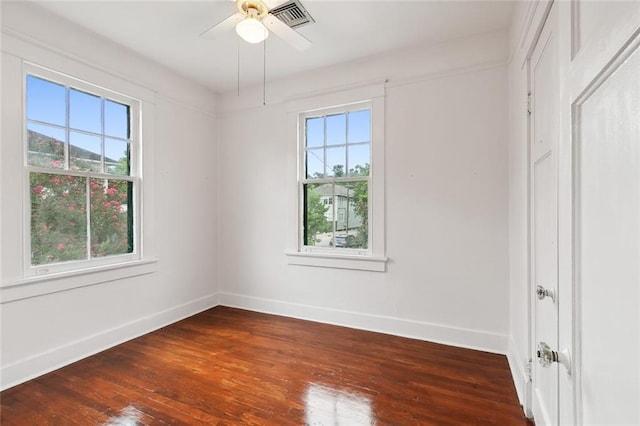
[335, 179]
[81, 154]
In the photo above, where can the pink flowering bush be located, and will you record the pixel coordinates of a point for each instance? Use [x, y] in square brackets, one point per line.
[59, 218]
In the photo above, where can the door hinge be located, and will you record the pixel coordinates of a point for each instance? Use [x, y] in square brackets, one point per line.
[529, 101]
[529, 370]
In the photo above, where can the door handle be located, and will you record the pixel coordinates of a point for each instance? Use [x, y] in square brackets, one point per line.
[547, 356]
[542, 292]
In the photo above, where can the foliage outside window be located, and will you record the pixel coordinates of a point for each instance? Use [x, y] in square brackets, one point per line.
[82, 176]
[336, 179]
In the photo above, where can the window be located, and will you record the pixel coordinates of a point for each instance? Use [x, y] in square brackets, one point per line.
[336, 178]
[82, 164]
[340, 180]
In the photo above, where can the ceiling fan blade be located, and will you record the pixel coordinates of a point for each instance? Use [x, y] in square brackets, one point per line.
[223, 26]
[283, 31]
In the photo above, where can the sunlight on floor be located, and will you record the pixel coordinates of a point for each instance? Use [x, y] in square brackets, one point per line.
[129, 416]
[325, 406]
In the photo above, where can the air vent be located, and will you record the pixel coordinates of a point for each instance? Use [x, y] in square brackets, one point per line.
[293, 14]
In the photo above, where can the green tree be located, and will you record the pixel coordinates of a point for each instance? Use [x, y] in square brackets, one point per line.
[360, 203]
[338, 170]
[316, 221]
[122, 167]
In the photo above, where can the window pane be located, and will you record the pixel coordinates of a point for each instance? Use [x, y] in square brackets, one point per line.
[360, 126]
[116, 157]
[85, 152]
[317, 227]
[352, 211]
[85, 111]
[315, 163]
[359, 160]
[336, 161]
[46, 146]
[111, 217]
[58, 218]
[315, 132]
[116, 119]
[337, 129]
[46, 101]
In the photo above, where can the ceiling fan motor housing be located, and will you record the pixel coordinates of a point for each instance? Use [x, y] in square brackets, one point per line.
[256, 9]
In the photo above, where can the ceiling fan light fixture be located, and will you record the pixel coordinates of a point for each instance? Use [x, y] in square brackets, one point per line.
[251, 30]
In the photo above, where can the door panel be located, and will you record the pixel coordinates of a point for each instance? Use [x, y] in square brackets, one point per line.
[545, 274]
[544, 85]
[607, 155]
[594, 17]
[599, 30]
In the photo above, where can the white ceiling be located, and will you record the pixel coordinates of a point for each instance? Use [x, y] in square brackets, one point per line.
[168, 32]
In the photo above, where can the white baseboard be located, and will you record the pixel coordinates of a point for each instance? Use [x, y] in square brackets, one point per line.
[438, 333]
[45, 362]
[518, 373]
[39, 364]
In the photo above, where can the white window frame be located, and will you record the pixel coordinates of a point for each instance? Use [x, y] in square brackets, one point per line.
[302, 180]
[370, 259]
[134, 175]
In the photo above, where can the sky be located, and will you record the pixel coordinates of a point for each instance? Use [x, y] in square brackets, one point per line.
[345, 139]
[47, 104]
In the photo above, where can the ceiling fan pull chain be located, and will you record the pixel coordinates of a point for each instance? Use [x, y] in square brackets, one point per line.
[264, 72]
[238, 39]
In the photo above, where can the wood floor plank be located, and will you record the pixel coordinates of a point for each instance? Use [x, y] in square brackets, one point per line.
[229, 366]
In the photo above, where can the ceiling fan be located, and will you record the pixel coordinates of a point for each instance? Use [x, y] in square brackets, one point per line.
[255, 18]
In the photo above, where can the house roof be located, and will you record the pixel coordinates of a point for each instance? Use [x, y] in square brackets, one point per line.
[49, 145]
[340, 191]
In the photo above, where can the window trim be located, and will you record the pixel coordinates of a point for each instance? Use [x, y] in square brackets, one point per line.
[71, 268]
[68, 280]
[374, 259]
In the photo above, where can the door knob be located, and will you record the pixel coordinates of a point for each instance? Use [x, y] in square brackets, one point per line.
[542, 292]
[547, 356]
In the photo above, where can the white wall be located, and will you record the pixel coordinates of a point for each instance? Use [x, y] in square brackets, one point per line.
[44, 332]
[446, 199]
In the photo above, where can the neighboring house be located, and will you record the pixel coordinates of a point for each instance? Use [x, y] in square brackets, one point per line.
[341, 208]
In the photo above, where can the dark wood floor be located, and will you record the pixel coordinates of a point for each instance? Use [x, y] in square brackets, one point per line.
[229, 366]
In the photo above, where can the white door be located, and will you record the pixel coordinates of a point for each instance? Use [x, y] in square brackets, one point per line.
[545, 108]
[605, 97]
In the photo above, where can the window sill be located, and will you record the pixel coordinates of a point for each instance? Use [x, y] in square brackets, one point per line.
[328, 260]
[54, 283]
